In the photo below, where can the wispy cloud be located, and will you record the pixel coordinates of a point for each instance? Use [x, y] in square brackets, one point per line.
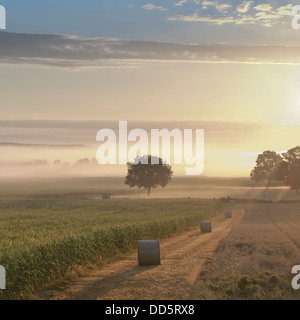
[38, 145]
[180, 3]
[221, 7]
[198, 18]
[263, 7]
[150, 6]
[209, 125]
[228, 132]
[285, 10]
[263, 14]
[74, 52]
[244, 7]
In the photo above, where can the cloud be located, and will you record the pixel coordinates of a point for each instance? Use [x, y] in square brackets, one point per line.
[209, 125]
[75, 52]
[82, 134]
[268, 17]
[244, 7]
[285, 10]
[180, 3]
[263, 14]
[38, 145]
[208, 3]
[223, 7]
[150, 6]
[263, 7]
[196, 18]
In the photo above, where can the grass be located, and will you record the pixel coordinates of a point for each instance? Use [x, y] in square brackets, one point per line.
[42, 240]
[266, 285]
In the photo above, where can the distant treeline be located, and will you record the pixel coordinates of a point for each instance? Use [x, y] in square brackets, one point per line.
[60, 164]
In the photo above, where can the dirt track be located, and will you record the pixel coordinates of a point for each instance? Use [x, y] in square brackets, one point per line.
[181, 260]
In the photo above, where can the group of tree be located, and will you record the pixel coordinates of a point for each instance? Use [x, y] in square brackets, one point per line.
[284, 167]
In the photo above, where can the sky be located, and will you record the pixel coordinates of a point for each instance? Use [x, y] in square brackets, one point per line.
[190, 21]
[228, 67]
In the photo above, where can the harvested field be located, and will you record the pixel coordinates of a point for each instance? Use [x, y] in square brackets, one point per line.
[255, 260]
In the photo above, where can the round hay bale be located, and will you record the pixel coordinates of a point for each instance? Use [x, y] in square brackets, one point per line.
[205, 227]
[148, 252]
[228, 214]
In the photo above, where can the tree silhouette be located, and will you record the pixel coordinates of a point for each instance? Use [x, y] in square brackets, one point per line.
[289, 169]
[143, 174]
[266, 166]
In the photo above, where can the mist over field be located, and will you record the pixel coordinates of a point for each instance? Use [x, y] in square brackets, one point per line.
[68, 148]
[180, 187]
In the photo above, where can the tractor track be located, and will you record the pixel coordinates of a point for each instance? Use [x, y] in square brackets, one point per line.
[182, 258]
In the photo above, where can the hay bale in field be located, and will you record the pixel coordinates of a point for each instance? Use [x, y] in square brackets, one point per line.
[148, 252]
[228, 214]
[205, 227]
[106, 195]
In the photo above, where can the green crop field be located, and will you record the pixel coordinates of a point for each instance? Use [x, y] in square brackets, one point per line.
[43, 239]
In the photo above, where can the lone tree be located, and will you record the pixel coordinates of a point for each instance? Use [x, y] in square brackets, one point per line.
[266, 166]
[289, 169]
[143, 174]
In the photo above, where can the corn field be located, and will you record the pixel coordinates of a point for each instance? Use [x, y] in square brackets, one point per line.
[42, 240]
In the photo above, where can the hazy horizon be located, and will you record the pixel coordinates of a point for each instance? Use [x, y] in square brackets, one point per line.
[24, 141]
